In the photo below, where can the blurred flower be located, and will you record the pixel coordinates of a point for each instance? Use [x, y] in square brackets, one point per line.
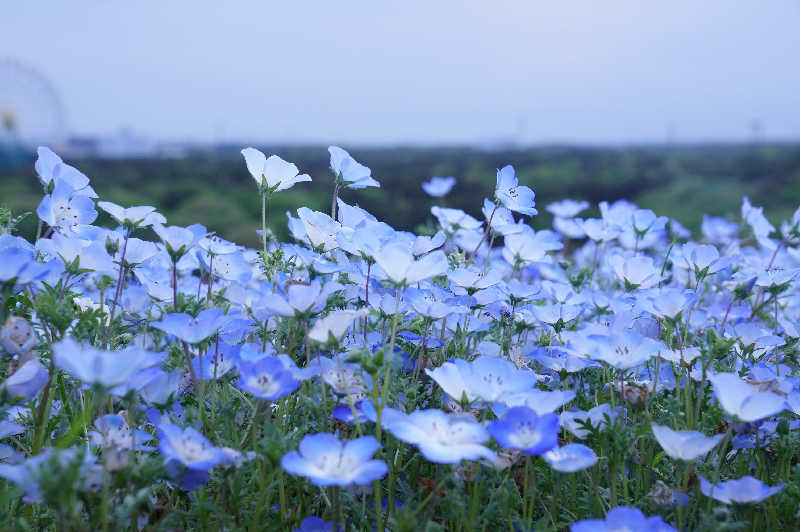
[438, 186]
[684, 444]
[740, 490]
[570, 458]
[623, 518]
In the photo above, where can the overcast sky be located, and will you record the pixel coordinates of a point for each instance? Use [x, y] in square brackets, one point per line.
[423, 72]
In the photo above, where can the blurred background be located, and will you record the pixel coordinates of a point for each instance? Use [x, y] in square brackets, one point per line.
[681, 106]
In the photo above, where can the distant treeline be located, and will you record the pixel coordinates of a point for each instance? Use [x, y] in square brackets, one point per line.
[214, 187]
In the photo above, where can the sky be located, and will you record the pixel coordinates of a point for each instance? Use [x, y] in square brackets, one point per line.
[415, 72]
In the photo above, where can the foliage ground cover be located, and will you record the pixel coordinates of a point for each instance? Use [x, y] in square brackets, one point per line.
[607, 373]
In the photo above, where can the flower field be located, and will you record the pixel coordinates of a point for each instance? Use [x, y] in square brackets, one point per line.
[610, 373]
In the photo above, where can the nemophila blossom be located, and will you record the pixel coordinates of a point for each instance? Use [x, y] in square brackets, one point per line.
[50, 166]
[27, 381]
[517, 198]
[472, 278]
[741, 490]
[179, 240]
[143, 216]
[453, 220]
[567, 208]
[352, 173]
[623, 519]
[685, 445]
[702, 260]
[740, 400]
[485, 378]
[334, 325]
[105, 368]
[154, 385]
[442, 438]
[315, 524]
[30, 474]
[540, 401]
[188, 455]
[570, 458]
[400, 266]
[192, 329]
[65, 208]
[623, 348]
[319, 229]
[301, 298]
[266, 378]
[635, 272]
[327, 461]
[272, 173]
[18, 337]
[438, 186]
[528, 246]
[113, 432]
[523, 429]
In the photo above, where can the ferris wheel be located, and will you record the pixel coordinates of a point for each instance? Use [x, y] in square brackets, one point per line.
[31, 113]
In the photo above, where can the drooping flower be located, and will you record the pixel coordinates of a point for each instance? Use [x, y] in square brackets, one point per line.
[740, 490]
[521, 428]
[272, 172]
[684, 444]
[327, 461]
[578, 421]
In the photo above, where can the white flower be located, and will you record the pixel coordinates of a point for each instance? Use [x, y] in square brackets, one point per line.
[279, 174]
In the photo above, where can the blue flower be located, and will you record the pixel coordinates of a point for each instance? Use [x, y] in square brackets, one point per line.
[738, 398]
[27, 381]
[740, 490]
[113, 432]
[570, 458]
[517, 198]
[65, 208]
[192, 329]
[315, 524]
[485, 378]
[438, 186]
[266, 378]
[441, 438]
[272, 174]
[327, 461]
[521, 428]
[623, 518]
[105, 368]
[352, 173]
[188, 455]
[29, 473]
[684, 444]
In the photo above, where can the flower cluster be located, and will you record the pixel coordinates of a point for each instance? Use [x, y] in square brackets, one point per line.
[609, 373]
